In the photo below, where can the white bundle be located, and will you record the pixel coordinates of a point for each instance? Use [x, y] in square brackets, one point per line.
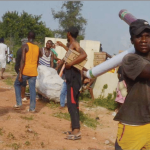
[49, 83]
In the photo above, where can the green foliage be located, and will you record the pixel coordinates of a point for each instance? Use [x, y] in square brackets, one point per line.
[52, 104]
[14, 27]
[84, 118]
[107, 102]
[70, 16]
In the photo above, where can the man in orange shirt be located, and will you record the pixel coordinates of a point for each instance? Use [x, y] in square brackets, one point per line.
[28, 71]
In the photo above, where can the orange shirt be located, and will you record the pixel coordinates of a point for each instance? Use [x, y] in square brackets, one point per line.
[31, 60]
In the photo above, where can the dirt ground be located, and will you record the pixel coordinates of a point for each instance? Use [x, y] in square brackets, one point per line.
[20, 129]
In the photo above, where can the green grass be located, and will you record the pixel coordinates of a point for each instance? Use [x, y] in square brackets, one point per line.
[9, 81]
[15, 146]
[1, 131]
[53, 104]
[27, 143]
[10, 68]
[84, 118]
[27, 118]
[11, 136]
[107, 102]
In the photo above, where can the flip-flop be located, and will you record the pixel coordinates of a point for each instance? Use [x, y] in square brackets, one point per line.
[67, 132]
[74, 137]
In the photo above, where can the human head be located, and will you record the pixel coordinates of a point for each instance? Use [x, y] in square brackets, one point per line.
[2, 40]
[31, 35]
[72, 32]
[140, 36]
[48, 44]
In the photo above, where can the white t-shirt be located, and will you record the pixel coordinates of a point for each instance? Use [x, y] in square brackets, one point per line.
[3, 49]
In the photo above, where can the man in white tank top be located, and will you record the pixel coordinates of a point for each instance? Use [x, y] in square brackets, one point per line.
[3, 52]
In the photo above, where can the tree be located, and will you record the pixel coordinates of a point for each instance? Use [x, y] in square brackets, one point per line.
[14, 27]
[70, 16]
[17, 27]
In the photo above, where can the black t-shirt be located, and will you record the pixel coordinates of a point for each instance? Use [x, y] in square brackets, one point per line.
[136, 108]
[18, 59]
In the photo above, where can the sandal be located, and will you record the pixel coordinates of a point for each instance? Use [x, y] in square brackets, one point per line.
[74, 137]
[67, 132]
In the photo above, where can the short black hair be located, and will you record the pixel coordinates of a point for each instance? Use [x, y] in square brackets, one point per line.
[31, 34]
[73, 31]
[2, 40]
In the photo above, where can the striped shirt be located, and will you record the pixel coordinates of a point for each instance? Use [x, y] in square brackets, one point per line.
[44, 60]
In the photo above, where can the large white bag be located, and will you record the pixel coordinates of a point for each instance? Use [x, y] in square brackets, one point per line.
[49, 83]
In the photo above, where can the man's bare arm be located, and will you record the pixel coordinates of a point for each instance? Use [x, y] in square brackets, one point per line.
[81, 57]
[62, 45]
[40, 52]
[22, 63]
[52, 60]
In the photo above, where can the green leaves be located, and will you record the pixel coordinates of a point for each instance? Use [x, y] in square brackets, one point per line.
[70, 16]
[17, 26]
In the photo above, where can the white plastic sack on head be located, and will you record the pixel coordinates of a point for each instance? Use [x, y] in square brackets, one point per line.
[49, 83]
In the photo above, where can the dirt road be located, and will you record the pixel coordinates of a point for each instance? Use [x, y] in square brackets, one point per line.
[20, 129]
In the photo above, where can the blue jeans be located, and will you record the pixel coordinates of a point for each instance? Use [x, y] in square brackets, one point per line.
[17, 85]
[63, 94]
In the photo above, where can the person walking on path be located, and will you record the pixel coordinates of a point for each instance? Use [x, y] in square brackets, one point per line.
[3, 52]
[28, 71]
[17, 67]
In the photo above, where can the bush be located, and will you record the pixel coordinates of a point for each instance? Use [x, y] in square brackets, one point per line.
[107, 102]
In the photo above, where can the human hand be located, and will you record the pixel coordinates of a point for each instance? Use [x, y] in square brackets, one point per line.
[68, 65]
[59, 43]
[20, 78]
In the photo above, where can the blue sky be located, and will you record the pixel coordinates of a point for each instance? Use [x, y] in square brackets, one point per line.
[103, 22]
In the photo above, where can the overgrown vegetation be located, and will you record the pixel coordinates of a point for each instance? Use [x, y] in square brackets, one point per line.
[107, 102]
[84, 118]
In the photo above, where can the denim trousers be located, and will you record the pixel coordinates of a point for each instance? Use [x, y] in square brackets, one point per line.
[17, 85]
[63, 94]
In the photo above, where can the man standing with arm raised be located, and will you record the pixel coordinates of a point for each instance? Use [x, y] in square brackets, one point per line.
[73, 80]
[28, 71]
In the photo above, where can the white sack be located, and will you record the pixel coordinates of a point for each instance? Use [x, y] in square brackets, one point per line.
[49, 83]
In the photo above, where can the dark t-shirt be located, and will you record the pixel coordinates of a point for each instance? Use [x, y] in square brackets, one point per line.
[136, 108]
[18, 59]
[120, 73]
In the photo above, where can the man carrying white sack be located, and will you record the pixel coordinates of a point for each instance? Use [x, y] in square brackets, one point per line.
[134, 114]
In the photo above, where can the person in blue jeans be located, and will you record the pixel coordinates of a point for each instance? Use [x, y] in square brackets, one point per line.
[27, 71]
[63, 93]
[18, 84]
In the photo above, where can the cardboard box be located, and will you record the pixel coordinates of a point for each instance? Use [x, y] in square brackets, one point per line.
[100, 55]
[71, 55]
[97, 62]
